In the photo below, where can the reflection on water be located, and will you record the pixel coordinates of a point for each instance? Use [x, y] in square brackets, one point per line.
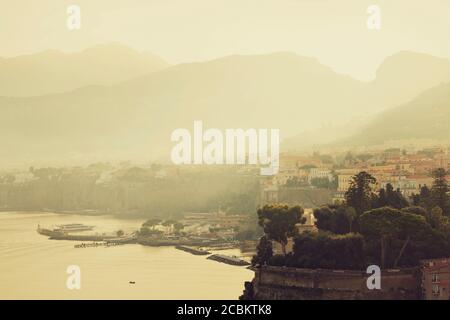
[33, 267]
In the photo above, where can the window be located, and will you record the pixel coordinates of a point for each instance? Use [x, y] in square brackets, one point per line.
[435, 290]
[434, 278]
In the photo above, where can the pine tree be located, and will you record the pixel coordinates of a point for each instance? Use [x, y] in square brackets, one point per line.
[440, 190]
[360, 195]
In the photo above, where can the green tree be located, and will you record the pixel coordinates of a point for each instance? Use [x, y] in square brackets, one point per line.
[178, 226]
[387, 225]
[439, 221]
[423, 199]
[435, 219]
[120, 233]
[381, 200]
[264, 251]
[351, 215]
[324, 218]
[279, 222]
[146, 232]
[337, 219]
[440, 190]
[328, 251]
[360, 195]
[390, 198]
[152, 223]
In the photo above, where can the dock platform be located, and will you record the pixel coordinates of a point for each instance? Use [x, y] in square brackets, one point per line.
[228, 260]
[195, 251]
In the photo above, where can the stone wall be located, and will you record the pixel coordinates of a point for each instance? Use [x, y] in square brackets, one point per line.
[282, 283]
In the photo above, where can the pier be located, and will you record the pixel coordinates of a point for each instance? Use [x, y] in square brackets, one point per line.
[228, 260]
[196, 251]
[58, 234]
[79, 237]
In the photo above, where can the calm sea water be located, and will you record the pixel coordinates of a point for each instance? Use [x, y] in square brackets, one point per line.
[34, 267]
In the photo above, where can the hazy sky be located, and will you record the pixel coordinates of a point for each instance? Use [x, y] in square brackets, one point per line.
[334, 31]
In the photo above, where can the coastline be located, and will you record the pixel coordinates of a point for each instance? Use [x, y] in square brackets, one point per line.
[205, 247]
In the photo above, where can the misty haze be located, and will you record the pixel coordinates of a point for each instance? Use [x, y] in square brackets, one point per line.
[88, 181]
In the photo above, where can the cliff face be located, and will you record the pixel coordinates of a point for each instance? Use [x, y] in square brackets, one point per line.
[281, 283]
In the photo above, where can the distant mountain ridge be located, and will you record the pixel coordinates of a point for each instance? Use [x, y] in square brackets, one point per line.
[53, 71]
[410, 73]
[427, 117]
[135, 118]
[399, 79]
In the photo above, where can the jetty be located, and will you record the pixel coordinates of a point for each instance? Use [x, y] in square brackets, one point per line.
[79, 237]
[58, 234]
[196, 251]
[48, 232]
[123, 239]
[235, 261]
